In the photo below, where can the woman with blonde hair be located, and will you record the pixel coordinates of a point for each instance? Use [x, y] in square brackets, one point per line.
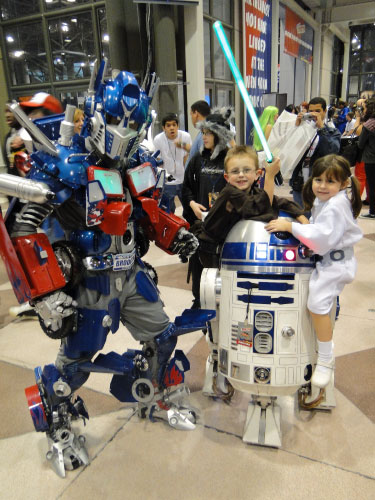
[78, 120]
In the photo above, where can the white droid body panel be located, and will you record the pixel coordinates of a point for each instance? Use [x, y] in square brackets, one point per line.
[266, 343]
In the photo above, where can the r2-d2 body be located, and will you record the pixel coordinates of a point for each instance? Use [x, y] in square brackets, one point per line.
[266, 344]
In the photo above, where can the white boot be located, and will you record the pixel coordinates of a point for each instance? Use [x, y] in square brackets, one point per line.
[323, 373]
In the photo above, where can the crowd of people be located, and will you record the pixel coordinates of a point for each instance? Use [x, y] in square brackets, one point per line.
[218, 183]
[349, 130]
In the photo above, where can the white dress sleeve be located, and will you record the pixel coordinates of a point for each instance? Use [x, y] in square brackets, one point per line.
[325, 233]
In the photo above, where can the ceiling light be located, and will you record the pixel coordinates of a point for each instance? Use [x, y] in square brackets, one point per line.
[9, 38]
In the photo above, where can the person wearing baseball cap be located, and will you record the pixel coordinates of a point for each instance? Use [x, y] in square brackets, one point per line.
[41, 104]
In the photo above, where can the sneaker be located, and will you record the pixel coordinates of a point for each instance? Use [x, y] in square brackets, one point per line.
[24, 311]
[367, 216]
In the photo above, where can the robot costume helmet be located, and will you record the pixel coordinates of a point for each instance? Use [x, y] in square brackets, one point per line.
[118, 113]
[219, 123]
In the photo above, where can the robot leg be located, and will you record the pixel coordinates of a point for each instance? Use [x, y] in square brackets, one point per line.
[53, 408]
[167, 375]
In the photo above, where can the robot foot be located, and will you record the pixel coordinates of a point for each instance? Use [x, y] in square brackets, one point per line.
[67, 451]
[183, 419]
[171, 407]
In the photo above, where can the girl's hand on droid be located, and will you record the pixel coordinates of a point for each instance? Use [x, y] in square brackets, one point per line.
[277, 225]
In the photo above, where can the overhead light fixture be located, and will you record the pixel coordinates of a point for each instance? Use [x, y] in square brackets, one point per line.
[105, 37]
[18, 53]
[9, 38]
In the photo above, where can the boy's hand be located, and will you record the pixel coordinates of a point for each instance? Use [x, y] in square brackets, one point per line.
[273, 168]
[197, 208]
[279, 225]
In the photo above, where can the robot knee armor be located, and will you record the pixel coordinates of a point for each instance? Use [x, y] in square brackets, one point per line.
[159, 350]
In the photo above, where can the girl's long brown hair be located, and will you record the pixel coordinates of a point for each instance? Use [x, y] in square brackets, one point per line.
[338, 168]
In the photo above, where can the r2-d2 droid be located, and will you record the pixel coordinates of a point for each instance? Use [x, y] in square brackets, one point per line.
[265, 342]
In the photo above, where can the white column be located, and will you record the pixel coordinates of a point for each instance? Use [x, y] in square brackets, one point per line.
[316, 71]
[345, 71]
[194, 53]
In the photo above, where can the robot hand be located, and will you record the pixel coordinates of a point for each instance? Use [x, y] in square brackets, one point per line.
[57, 314]
[185, 244]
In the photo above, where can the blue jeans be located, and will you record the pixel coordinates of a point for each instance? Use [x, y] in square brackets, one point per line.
[170, 191]
[297, 197]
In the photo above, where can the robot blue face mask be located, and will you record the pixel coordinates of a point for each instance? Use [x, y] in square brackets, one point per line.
[119, 114]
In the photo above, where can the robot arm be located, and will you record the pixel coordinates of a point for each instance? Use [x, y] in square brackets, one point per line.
[36, 273]
[167, 230]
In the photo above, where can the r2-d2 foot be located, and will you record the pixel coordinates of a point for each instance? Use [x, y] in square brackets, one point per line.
[53, 412]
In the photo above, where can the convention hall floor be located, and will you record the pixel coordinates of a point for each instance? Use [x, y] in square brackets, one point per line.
[324, 455]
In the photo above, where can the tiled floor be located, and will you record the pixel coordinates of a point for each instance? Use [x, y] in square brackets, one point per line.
[324, 455]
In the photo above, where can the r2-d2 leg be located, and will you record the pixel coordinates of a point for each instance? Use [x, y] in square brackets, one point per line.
[215, 384]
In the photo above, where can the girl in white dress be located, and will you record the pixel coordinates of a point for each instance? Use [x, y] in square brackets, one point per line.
[332, 194]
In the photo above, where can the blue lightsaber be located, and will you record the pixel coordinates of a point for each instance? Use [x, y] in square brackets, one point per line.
[241, 86]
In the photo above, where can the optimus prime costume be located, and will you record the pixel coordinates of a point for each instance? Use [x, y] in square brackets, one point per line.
[105, 191]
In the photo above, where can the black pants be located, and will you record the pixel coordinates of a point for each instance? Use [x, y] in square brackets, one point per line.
[370, 177]
[196, 269]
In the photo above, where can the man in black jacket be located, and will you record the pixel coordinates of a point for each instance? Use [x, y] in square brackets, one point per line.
[326, 141]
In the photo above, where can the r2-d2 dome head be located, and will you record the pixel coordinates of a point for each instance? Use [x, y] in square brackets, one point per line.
[117, 112]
